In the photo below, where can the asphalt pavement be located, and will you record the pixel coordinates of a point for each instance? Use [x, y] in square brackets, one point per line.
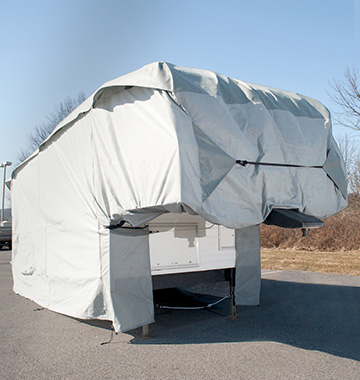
[306, 327]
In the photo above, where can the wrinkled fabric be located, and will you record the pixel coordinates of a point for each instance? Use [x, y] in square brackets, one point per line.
[161, 139]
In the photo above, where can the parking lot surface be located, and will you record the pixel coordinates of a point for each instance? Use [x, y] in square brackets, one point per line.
[307, 327]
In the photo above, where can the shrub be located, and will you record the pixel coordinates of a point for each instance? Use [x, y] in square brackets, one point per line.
[341, 232]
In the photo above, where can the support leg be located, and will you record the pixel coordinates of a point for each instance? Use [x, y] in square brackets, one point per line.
[233, 316]
[145, 332]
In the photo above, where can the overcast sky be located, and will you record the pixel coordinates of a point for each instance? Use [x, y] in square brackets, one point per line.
[54, 49]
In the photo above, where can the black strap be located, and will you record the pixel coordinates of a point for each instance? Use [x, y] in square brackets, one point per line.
[114, 226]
[244, 163]
[121, 224]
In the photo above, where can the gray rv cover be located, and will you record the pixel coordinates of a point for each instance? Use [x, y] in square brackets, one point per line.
[162, 139]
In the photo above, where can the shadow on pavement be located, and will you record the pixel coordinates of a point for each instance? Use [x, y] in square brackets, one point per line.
[310, 316]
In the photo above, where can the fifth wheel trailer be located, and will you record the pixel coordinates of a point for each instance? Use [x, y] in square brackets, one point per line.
[173, 153]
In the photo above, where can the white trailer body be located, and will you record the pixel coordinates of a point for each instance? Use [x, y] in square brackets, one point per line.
[182, 243]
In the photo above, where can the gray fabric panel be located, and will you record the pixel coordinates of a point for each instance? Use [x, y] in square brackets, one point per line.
[130, 279]
[334, 168]
[212, 84]
[275, 100]
[234, 92]
[214, 162]
[248, 269]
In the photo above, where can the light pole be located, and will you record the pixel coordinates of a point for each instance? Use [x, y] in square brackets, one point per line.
[3, 165]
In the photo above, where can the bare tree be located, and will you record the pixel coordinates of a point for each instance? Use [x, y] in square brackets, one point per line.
[351, 155]
[42, 131]
[354, 178]
[346, 94]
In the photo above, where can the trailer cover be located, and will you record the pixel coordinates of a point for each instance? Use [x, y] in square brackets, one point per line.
[161, 139]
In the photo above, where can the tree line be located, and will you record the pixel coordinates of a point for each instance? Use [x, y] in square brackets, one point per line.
[345, 93]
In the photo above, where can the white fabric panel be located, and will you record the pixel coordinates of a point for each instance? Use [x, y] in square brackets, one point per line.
[56, 258]
[248, 268]
[29, 241]
[66, 169]
[70, 218]
[130, 279]
[135, 151]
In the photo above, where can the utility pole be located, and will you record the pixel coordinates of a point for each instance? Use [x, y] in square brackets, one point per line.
[3, 165]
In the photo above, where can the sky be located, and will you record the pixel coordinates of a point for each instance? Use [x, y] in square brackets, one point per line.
[53, 49]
